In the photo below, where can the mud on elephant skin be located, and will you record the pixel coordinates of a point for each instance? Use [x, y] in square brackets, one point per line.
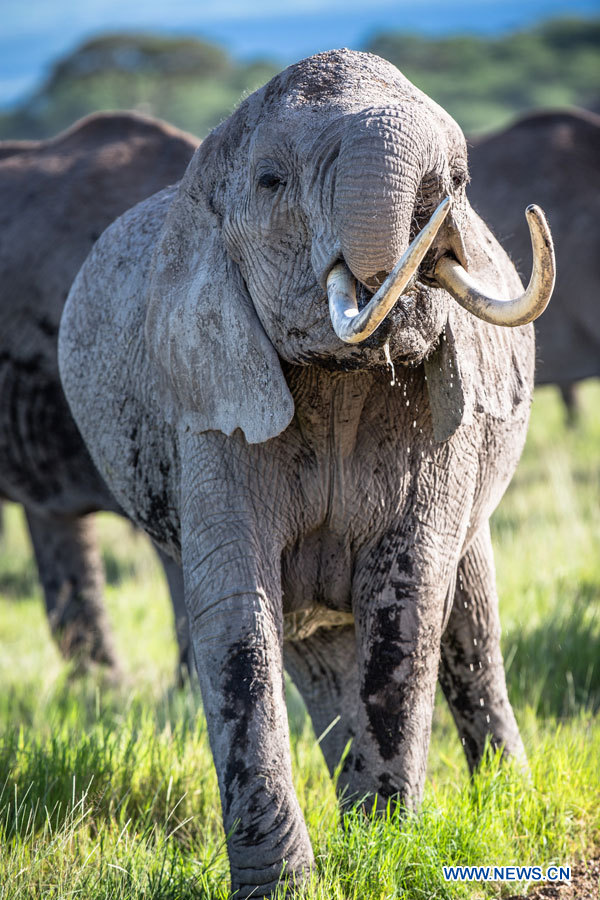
[321, 514]
[56, 198]
[554, 156]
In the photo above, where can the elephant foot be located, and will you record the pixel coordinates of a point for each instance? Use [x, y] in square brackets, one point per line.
[290, 875]
[268, 848]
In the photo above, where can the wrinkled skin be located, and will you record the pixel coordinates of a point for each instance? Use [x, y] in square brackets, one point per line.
[56, 198]
[324, 518]
[553, 156]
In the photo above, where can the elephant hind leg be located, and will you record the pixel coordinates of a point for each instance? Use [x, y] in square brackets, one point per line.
[324, 669]
[472, 670]
[71, 573]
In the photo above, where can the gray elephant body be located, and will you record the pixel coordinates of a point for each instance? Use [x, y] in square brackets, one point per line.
[57, 198]
[553, 156]
[323, 516]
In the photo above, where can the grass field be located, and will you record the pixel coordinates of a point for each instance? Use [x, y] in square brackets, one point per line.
[110, 792]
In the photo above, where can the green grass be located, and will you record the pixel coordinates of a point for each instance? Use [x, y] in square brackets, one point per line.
[111, 793]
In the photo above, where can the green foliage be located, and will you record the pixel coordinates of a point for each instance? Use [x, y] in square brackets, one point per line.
[187, 82]
[109, 793]
[546, 535]
[484, 82]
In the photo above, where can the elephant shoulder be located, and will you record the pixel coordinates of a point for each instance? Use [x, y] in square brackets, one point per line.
[104, 368]
[115, 272]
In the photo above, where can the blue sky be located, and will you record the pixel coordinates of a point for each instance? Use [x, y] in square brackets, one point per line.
[34, 34]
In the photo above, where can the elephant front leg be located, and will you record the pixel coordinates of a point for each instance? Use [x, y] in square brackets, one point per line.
[231, 574]
[399, 628]
[472, 671]
[237, 642]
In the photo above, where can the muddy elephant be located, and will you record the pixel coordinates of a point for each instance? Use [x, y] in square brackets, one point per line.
[270, 369]
[56, 198]
[553, 156]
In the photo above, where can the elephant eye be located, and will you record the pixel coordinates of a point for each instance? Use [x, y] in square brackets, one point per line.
[270, 180]
[459, 178]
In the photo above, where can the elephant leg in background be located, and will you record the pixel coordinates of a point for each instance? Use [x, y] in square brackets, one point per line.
[568, 392]
[323, 667]
[233, 597]
[186, 664]
[472, 670]
[70, 570]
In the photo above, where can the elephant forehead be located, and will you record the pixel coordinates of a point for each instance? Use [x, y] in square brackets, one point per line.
[321, 78]
[339, 79]
[307, 97]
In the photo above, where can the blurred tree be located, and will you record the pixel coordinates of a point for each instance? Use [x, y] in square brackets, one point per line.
[482, 82]
[188, 82]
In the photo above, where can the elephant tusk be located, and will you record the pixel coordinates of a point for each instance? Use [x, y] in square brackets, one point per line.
[353, 326]
[453, 278]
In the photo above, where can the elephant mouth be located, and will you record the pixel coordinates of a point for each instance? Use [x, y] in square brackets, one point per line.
[404, 319]
[353, 323]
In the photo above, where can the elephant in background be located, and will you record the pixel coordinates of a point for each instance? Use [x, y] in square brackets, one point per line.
[271, 371]
[56, 198]
[553, 156]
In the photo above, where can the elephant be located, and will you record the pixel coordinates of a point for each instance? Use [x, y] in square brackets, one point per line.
[58, 196]
[553, 155]
[271, 371]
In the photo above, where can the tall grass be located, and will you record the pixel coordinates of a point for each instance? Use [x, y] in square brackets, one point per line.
[110, 792]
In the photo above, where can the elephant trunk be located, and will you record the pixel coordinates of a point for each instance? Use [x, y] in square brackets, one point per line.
[379, 171]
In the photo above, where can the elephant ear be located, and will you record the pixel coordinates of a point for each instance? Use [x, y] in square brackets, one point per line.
[219, 370]
[479, 368]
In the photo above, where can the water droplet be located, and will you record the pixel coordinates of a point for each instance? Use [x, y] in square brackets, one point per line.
[414, 423]
[471, 667]
[475, 642]
[390, 364]
[466, 605]
[481, 701]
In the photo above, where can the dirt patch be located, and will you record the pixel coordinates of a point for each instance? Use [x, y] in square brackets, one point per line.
[584, 885]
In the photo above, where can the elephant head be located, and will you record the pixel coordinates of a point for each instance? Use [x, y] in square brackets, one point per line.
[338, 178]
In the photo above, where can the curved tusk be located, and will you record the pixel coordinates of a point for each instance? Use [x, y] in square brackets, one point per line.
[353, 326]
[452, 277]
